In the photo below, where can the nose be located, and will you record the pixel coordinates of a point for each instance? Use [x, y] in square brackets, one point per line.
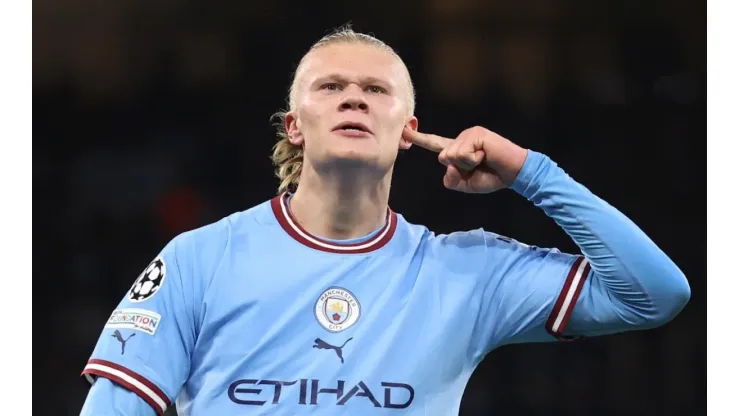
[353, 100]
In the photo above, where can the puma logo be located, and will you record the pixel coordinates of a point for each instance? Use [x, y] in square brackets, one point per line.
[323, 345]
[117, 335]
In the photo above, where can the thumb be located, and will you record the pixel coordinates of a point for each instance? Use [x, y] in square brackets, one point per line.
[453, 178]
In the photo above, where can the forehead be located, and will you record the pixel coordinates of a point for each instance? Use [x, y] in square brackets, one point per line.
[353, 60]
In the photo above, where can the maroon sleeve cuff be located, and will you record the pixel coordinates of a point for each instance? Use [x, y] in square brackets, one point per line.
[121, 375]
[567, 300]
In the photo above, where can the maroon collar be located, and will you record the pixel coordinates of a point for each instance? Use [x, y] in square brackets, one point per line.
[290, 225]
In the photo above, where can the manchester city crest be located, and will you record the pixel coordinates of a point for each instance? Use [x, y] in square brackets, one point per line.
[337, 309]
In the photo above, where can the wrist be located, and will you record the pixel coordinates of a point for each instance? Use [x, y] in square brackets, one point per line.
[531, 174]
[508, 161]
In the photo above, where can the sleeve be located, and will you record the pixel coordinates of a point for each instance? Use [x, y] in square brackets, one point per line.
[107, 398]
[620, 281]
[529, 294]
[146, 343]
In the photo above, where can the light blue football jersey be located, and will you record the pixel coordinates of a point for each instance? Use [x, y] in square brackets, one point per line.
[254, 315]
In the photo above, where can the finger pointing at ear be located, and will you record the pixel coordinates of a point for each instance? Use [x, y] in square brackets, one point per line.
[430, 142]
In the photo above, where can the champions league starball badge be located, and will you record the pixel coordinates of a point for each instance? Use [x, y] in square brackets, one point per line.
[149, 282]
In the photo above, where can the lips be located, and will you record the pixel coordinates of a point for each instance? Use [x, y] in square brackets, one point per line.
[352, 126]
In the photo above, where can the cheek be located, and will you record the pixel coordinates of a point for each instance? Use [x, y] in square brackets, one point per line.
[309, 117]
[396, 109]
[394, 119]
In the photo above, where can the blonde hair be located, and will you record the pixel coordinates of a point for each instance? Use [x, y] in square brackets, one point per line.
[287, 157]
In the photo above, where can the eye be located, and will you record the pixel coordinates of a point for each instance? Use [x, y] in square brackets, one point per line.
[332, 86]
[376, 89]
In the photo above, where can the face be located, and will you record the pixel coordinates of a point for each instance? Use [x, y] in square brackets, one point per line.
[351, 106]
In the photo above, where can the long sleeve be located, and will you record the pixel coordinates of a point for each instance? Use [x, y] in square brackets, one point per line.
[633, 284]
[107, 398]
[619, 281]
[147, 342]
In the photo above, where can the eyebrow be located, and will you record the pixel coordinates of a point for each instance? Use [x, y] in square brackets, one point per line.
[365, 80]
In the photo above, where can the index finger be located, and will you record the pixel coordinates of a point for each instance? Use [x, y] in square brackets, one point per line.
[428, 141]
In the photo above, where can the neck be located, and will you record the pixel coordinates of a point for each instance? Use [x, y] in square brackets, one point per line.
[340, 206]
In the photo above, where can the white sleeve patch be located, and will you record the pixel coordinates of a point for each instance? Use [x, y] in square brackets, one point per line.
[134, 319]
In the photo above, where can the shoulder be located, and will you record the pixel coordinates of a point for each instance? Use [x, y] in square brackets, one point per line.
[442, 241]
[469, 242]
[203, 248]
[432, 242]
[220, 231]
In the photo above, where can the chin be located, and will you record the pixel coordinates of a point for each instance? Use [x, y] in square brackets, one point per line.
[368, 158]
[354, 156]
[354, 149]
[356, 153]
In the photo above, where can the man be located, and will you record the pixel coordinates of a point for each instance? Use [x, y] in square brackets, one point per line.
[325, 300]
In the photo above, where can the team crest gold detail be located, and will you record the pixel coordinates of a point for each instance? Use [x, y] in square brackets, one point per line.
[337, 309]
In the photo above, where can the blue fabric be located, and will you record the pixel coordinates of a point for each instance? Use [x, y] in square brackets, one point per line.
[254, 316]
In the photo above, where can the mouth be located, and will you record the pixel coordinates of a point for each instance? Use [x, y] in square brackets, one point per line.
[352, 127]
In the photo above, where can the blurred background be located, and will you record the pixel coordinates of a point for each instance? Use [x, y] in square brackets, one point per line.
[152, 118]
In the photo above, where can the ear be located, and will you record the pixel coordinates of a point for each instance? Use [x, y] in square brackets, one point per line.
[293, 128]
[413, 124]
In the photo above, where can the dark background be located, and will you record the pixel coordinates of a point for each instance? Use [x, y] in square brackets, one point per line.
[152, 118]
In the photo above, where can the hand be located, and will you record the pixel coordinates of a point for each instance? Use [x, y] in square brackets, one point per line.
[478, 160]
